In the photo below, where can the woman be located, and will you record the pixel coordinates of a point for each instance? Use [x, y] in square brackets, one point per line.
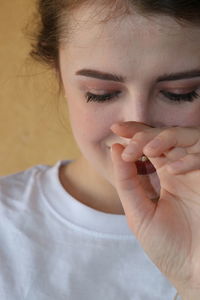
[130, 74]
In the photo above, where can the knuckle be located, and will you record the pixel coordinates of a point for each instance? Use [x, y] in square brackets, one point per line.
[139, 136]
[172, 130]
[169, 134]
[193, 158]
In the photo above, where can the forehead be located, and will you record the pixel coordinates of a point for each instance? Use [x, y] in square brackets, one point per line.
[91, 24]
[133, 44]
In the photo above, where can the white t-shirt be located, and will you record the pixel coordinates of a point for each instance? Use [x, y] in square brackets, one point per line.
[53, 247]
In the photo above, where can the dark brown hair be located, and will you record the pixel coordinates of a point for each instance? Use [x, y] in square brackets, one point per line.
[53, 12]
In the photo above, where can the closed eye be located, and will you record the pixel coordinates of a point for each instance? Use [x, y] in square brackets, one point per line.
[177, 98]
[101, 98]
[189, 97]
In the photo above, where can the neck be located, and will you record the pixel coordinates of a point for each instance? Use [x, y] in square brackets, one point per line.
[85, 185]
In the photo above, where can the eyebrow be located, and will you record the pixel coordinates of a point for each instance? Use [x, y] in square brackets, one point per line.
[119, 78]
[101, 75]
[180, 75]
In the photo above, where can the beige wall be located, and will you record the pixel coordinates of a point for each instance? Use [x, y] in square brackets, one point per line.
[34, 127]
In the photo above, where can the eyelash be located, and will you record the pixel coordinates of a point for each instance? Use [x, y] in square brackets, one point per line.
[101, 98]
[178, 98]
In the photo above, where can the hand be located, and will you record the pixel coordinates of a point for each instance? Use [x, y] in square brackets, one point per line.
[169, 230]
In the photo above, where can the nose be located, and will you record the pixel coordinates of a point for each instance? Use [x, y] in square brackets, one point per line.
[138, 110]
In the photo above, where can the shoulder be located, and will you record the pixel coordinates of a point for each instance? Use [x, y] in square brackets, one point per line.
[15, 187]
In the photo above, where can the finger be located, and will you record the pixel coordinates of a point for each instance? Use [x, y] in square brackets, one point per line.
[168, 157]
[138, 208]
[140, 134]
[188, 163]
[128, 129]
[175, 154]
[134, 150]
[174, 137]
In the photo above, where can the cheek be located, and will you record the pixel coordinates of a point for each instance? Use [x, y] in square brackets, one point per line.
[194, 118]
[89, 122]
[176, 115]
[190, 117]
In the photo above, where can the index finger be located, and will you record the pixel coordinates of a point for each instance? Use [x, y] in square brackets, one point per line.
[129, 129]
[175, 137]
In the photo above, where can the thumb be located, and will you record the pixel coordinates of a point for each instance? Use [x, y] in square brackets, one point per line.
[139, 209]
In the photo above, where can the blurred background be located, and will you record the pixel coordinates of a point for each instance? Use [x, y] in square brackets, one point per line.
[34, 126]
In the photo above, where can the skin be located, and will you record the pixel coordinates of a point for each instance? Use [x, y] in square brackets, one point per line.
[140, 49]
[120, 46]
[169, 229]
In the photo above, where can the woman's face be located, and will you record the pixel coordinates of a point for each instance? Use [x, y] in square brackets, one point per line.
[128, 69]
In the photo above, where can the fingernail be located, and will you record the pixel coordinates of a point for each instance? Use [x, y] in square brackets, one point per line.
[123, 124]
[129, 150]
[154, 144]
[112, 127]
